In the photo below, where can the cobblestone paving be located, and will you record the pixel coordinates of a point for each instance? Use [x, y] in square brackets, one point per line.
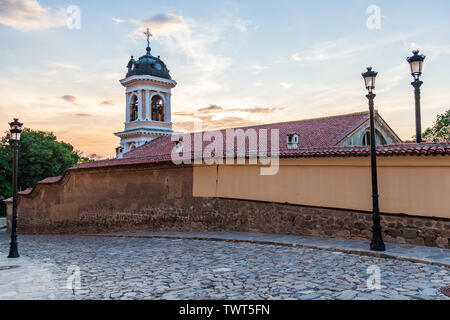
[140, 268]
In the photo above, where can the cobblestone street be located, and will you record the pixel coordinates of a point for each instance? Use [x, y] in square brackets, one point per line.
[146, 268]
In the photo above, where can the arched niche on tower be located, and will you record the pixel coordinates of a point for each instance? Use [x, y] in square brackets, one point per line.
[157, 107]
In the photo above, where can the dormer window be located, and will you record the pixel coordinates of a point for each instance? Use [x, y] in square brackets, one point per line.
[379, 139]
[366, 139]
[292, 141]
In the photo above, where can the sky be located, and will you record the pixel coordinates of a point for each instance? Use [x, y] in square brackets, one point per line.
[236, 63]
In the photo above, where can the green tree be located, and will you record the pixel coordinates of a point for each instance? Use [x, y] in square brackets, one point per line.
[440, 131]
[40, 156]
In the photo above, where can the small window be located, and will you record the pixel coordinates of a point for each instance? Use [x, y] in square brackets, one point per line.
[380, 140]
[292, 141]
[366, 139]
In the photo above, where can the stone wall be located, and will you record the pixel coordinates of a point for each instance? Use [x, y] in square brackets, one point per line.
[159, 198]
[102, 200]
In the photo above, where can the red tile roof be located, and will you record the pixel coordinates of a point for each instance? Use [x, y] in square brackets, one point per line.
[44, 181]
[410, 149]
[51, 179]
[319, 132]
[317, 138]
[24, 192]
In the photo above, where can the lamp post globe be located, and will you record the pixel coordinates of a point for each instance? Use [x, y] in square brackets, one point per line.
[369, 79]
[416, 64]
[377, 243]
[15, 132]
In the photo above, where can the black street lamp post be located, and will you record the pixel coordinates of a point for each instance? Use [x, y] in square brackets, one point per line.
[16, 130]
[416, 63]
[377, 243]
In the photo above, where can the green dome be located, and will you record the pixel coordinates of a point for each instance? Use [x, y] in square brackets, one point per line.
[148, 65]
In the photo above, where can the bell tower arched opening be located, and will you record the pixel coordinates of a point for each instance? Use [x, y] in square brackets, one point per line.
[157, 108]
[134, 108]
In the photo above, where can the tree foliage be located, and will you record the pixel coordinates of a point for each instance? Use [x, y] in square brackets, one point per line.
[40, 156]
[440, 131]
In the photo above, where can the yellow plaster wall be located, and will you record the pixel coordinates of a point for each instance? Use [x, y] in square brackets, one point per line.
[407, 184]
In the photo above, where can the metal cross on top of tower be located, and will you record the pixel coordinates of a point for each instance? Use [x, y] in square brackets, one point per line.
[148, 34]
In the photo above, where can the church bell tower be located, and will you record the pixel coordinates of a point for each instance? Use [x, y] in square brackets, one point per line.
[147, 101]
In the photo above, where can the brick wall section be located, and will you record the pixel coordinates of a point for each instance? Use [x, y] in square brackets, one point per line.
[159, 198]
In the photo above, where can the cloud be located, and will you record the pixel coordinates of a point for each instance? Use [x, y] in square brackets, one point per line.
[107, 103]
[195, 41]
[64, 65]
[187, 114]
[296, 57]
[413, 46]
[316, 56]
[286, 85]
[118, 20]
[241, 24]
[231, 122]
[217, 117]
[431, 51]
[345, 47]
[83, 115]
[161, 25]
[256, 68]
[69, 98]
[114, 75]
[215, 124]
[211, 108]
[218, 109]
[257, 110]
[330, 49]
[26, 15]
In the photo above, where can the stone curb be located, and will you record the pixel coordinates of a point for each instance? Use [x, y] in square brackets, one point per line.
[348, 251]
